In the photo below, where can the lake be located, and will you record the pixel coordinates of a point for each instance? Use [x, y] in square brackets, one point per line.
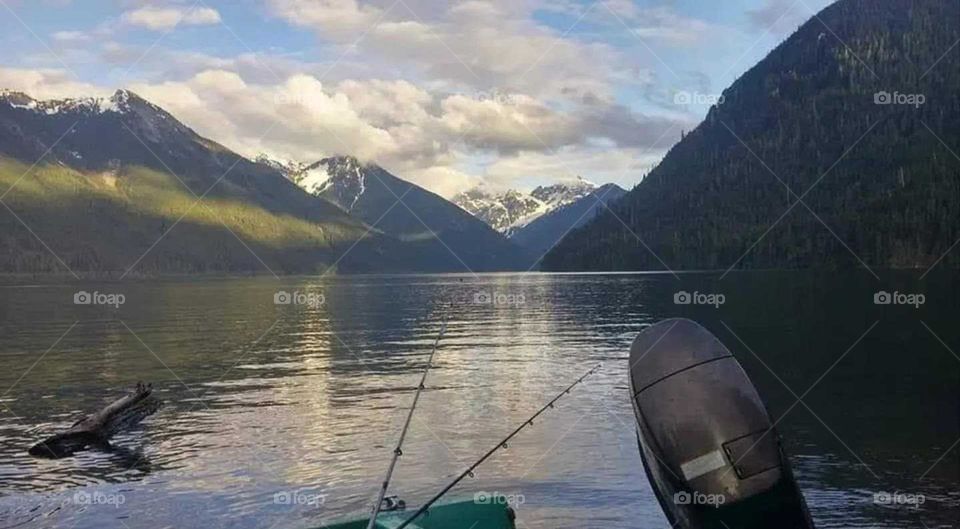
[285, 415]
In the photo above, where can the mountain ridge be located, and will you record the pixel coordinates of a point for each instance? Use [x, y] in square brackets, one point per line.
[817, 116]
[409, 212]
[120, 187]
[510, 210]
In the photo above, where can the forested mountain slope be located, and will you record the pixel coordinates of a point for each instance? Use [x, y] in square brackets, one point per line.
[857, 114]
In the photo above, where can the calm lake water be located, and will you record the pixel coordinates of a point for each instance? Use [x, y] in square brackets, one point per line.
[284, 416]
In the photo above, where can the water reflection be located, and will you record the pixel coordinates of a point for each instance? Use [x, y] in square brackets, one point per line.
[265, 399]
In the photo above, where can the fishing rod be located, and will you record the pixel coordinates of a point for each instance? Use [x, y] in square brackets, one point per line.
[398, 451]
[501, 444]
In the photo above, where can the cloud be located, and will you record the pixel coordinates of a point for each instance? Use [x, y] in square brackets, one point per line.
[71, 37]
[664, 25]
[340, 20]
[442, 180]
[167, 18]
[296, 119]
[425, 136]
[47, 83]
[441, 93]
[506, 126]
[622, 166]
[474, 45]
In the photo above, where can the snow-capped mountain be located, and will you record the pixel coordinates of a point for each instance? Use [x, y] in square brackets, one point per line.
[409, 212]
[547, 230]
[288, 169]
[110, 177]
[340, 179]
[96, 130]
[118, 102]
[502, 211]
[511, 210]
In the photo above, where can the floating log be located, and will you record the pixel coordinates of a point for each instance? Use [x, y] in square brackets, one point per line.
[96, 429]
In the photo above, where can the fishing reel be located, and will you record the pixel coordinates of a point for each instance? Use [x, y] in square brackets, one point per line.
[392, 503]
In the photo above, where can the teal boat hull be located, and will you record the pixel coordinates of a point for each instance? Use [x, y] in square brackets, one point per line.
[456, 515]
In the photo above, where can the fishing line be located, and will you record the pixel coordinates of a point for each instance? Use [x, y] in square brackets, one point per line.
[501, 444]
[398, 451]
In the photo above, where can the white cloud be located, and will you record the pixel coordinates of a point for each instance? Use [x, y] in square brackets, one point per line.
[477, 45]
[622, 166]
[442, 180]
[296, 119]
[71, 37]
[512, 124]
[339, 19]
[441, 93]
[423, 136]
[429, 138]
[167, 18]
[47, 83]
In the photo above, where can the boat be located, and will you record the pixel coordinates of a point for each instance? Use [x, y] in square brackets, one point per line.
[708, 446]
[464, 514]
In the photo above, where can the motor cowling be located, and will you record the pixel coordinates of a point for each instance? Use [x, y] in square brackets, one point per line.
[708, 443]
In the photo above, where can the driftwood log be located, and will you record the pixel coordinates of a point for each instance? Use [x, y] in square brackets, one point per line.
[97, 428]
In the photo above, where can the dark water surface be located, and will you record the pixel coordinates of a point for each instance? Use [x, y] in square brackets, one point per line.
[283, 416]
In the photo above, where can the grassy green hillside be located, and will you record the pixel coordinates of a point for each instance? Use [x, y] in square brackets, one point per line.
[104, 221]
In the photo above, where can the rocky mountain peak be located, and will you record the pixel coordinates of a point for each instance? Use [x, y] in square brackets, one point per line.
[509, 210]
[564, 192]
[342, 178]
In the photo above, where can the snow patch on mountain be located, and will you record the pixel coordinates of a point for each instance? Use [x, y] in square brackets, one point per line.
[341, 179]
[511, 210]
[316, 180]
[119, 102]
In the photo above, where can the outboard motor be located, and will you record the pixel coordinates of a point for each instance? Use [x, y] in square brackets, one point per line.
[708, 445]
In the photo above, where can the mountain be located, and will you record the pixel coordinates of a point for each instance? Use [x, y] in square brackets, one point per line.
[286, 168]
[545, 231]
[510, 210]
[113, 186]
[538, 220]
[501, 211]
[456, 239]
[857, 113]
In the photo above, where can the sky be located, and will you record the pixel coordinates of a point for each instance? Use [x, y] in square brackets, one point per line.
[449, 95]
